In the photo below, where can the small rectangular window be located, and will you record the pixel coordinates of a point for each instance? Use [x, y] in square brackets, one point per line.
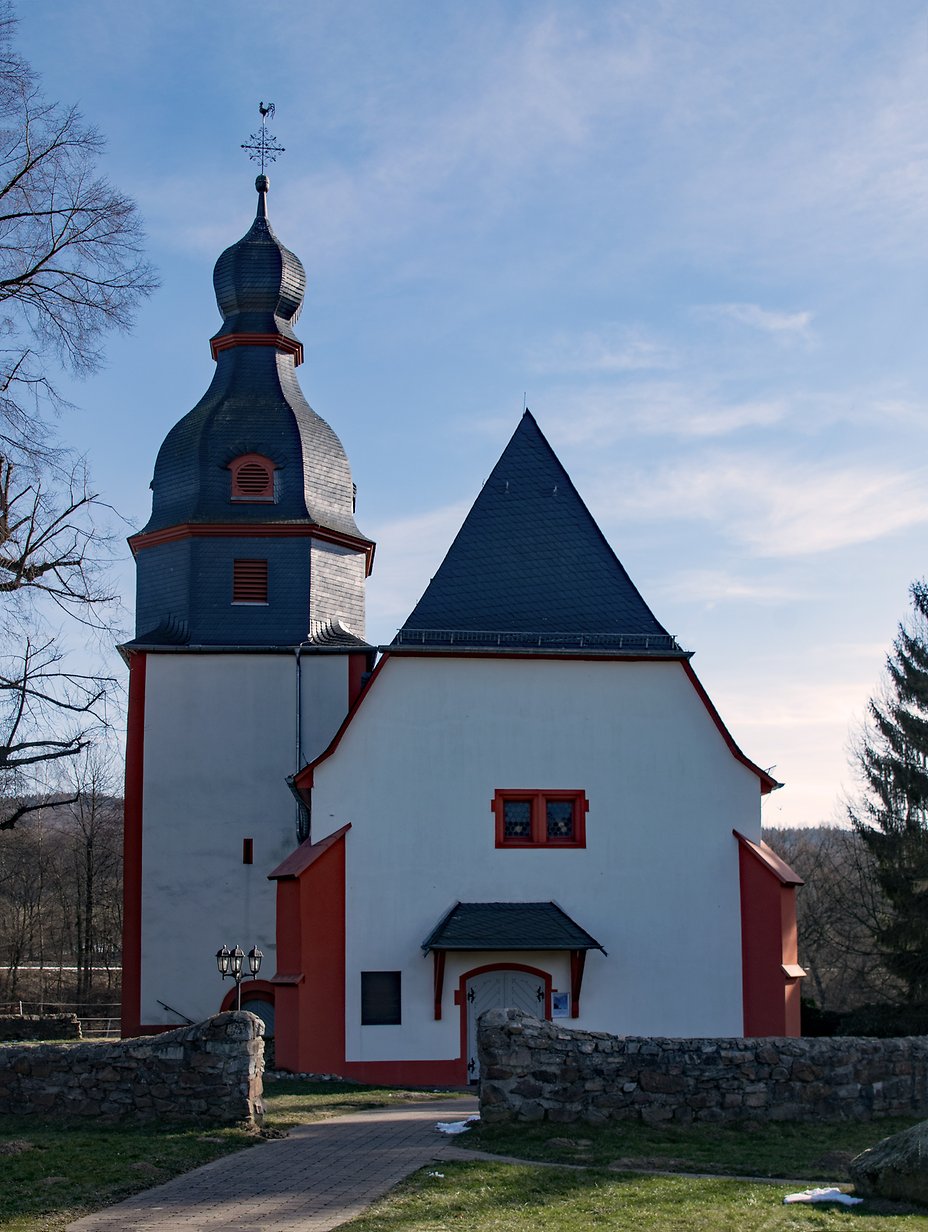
[540, 818]
[380, 998]
[249, 581]
[517, 819]
[559, 820]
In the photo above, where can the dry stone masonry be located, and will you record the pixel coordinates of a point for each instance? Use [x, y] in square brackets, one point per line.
[208, 1072]
[534, 1071]
[39, 1027]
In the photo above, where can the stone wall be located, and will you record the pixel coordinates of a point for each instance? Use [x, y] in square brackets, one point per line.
[534, 1071]
[209, 1072]
[39, 1027]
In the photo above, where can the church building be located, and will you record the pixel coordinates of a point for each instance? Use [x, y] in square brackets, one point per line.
[526, 799]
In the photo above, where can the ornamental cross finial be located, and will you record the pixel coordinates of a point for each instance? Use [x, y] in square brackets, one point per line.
[263, 146]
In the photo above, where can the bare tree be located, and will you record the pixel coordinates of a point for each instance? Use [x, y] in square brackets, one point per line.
[90, 873]
[49, 541]
[71, 264]
[61, 893]
[71, 269]
[837, 911]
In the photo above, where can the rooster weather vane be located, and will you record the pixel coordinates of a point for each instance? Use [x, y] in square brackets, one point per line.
[263, 146]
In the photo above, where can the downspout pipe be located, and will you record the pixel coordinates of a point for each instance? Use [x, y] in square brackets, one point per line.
[303, 819]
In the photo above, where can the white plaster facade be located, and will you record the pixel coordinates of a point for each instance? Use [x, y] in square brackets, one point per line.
[220, 740]
[657, 883]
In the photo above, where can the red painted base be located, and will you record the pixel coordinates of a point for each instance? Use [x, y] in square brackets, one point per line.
[407, 1073]
[412, 1073]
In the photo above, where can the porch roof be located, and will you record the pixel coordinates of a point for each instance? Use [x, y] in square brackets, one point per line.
[508, 926]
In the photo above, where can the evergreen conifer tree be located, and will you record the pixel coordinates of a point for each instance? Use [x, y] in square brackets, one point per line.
[892, 818]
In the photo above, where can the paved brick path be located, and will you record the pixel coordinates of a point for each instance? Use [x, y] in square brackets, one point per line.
[321, 1176]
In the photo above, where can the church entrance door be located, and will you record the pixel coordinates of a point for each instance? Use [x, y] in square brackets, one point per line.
[521, 988]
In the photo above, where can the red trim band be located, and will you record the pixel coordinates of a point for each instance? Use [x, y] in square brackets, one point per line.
[288, 345]
[251, 530]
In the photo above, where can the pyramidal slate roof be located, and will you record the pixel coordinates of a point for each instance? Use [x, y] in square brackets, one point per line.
[530, 569]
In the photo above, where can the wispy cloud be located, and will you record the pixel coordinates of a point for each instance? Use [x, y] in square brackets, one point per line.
[784, 325]
[711, 587]
[605, 414]
[612, 349]
[777, 507]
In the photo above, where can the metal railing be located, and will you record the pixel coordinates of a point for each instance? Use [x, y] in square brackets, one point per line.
[664, 643]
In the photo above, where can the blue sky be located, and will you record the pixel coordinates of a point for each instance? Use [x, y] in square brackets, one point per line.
[694, 236]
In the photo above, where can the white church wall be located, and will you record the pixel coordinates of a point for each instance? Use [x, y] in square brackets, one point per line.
[657, 883]
[324, 690]
[220, 741]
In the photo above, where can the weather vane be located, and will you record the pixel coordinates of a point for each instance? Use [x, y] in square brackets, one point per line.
[263, 146]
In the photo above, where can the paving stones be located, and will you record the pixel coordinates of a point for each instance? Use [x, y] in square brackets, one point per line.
[319, 1177]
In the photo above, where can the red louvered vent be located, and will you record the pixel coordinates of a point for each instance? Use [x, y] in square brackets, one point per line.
[249, 581]
[252, 478]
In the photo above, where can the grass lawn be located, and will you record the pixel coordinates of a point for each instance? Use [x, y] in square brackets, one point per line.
[53, 1173]
[489, 1197]
[818, 1153]
[294, 1102]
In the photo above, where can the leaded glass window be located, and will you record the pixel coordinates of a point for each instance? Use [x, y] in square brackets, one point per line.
[517, 819]
[553, 817]
[559, 817]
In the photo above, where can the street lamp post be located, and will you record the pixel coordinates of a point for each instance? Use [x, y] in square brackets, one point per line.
[231, 962]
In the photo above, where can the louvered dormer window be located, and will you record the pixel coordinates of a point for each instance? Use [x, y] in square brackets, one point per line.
[249, 581]
[253, 479]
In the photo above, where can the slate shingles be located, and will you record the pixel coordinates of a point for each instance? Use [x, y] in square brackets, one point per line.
[254, 405]
[508, 926]
[530, 560]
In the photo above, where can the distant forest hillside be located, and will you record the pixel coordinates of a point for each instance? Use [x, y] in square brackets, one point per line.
[61, 904]
[837, 911]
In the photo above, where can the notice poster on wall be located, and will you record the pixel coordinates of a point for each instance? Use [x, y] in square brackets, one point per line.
[559, 1005]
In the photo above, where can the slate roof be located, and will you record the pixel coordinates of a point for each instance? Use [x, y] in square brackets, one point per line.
[254, 405]
[259, 283]
[530, 569]
[335, 633]
[508, 926]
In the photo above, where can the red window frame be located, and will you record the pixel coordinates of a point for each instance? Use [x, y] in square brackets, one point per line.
[538, 800]
[244, 489]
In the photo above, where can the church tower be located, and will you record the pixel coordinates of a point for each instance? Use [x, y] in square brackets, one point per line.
[249, 646]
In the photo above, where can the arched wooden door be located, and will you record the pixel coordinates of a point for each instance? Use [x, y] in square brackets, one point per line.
[498, 987]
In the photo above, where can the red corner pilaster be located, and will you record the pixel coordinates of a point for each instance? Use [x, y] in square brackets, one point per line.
[310, 979]
[770, 971]
[132, 849]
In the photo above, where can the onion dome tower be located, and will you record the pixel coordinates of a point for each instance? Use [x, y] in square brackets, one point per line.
[252, 538]
[249, 645]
